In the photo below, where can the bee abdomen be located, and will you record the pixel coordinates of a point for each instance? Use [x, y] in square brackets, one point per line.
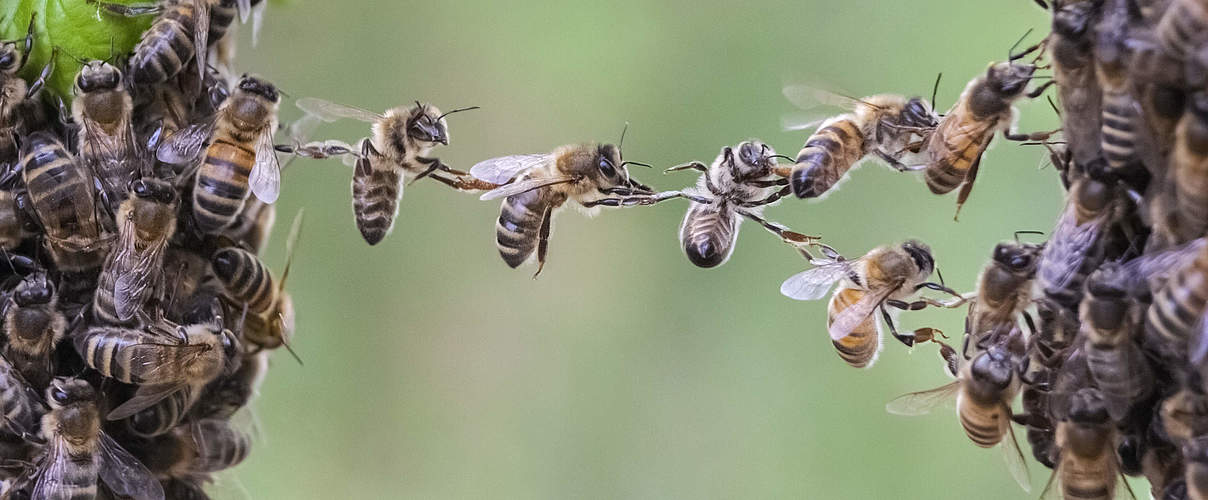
[1190, 166]
[982, 425]
[1182, 27]
[223, 446]
[166, 46]
[1087, 481]
[222, 184]
[111, 351]
[948, 171]
[516, 230]
[859, 348]
[828, 154]
[222, 14]
[15, 401]
[79, 482]
[1118, 139]
[1111, 370]
[1177, 306]
[707, 235]
[245, 277]
[375, 198]
[164, 415]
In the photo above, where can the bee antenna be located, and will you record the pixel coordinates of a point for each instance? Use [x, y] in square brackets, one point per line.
[941, 275]
[1053, 105]
[621, 143]
[935, 88]
[1017, 233]
[638, 163]
[58, 49]
[458, 110]
[1011, 52]
[291, 352]
[783, 157]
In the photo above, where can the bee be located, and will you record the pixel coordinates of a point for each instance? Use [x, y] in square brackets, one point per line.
[176, 38]
[738, 186]
[1004, 289]
[131, 275]
[1183, 28]
[165, 414]
[252, 227]
[884, 125]
[226, 395]
[103, 110]
[18, 94]
[61, 194]
[240, 154]
[984, 390]
[1184, 415]
[1120, 109]
[397, 153]
[78, 451]
[1116, 364]
[20, 403]
[985, 107]
[1189, 164]
[33, 326]
[199, 447]
[885, 276]
[1195, 452]
[1071, 46]
[1087, 465]
[534, 186]
[160, 364]
[1175, 315]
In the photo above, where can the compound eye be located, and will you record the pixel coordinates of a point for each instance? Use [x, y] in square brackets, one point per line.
[607, 168]
[7, 60]
[1021, 262]
[59, 395]
[140, 189]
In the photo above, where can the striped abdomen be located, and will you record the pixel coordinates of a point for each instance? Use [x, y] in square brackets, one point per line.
[1119, 371]
[62, 196]
[952, 149]
[1183, 27]
[222, 182]
[17, 400]
[517, 229]
[828, 154]
[1118, 138]
[1190, 163]
[708, 234]
[1088, 463]
[79, 477]
[859, 348]
[246, 279]
[222, 15]
[1177, 307]
[165, 414]
[130, 356]
[219, 445]
[377, 188]
[32, 332]
[166, 46]
[984, 424]
[11, 232]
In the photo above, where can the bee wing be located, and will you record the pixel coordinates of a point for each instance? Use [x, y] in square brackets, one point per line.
[137, 273]
[503, 169]
[1155, 267]
[1199, 344]
[802, 121]
[922, 402]
[124, 474]
[1013, 455]
[186, 144]
[808, 97]
[145, 397]
[848, 319]
[1065, 251]
[257, 21]
[813, 283]
[52, 474]
[329, 111]
[244, 7]
[265, 179]
[201, 31]
[524, 186]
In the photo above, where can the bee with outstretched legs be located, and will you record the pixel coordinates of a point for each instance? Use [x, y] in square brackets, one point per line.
[18, 93]
[885, 276]
[133, 271]
[535, 186]
[885, 126]
[739, 186]
[395, 155]
[33, 326]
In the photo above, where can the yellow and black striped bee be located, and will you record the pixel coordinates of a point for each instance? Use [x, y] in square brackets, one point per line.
[1087, 465]
[239, 159]
[33, 325]
[1110, 320]
[134, 269]
[18, 94]
[1004, 290]
[1189, 166]
[268, 321]
[62, 198]
[175, 39]
[1078, 93]
[103, 111]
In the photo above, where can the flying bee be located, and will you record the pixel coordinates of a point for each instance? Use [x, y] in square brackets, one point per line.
[78, 451]
[1115, 362]
[985, 107]
[738, 186]
[18, 94]
[240, 154]
[61, 194]
[176, 38]
[1183, 28]
[33, 326]
[884, 125]
[160, 364]
[103, 111]
[1087, 465]
[984, 390]
[535, 186]
[396, 154]
[131, 275]
[1071, 47]
[885, 276]
[1189, 164]
[1004, 289]
[269, 310]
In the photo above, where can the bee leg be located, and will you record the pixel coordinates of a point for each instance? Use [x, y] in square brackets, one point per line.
[464, 184]
[896, 164]
[893, 330]
[788, 236]
[36, 85]
[628, 201]
[695, 165]
[29, 40]
[772, 183]
[1034, 136]
[543, 239]
[1040, 90]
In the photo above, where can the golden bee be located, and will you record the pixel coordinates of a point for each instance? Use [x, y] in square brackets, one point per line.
[395, 155]
[33, 326]
[885, 276]
[1004, 289]
[738, 186]
[1087, 465]
[268, 310]
[133, 271]
[176, 38]
[61, 194]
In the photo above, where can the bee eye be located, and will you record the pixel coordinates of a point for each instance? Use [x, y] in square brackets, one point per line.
[59, 395]
[7, 60]
[1021, 262]
[140, 189]
[606, 168]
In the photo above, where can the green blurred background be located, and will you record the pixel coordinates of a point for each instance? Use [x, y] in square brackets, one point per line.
[434, 371]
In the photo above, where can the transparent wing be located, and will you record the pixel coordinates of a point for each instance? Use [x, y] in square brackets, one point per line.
[186, 145]
[1067, 248]
[329, 111]
[137, 271]
[1158, 265]
[1052, 489]
[145, 397]
[524, 186]
[922, 402]
[265, 179]
[124, 474]
[503, 169]
[201, 31]
[257, 21]
[1199, 344]
[813, 283]
[809, 97]
[803, 121]
[244, 7]
[52, 476]
[1014, 457]
[848, 319]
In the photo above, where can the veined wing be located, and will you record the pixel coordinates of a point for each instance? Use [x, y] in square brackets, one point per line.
[503, 169]
[813, 283]
[329, 111]
[524, 186]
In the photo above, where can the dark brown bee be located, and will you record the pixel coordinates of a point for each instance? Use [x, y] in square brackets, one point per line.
[21, 404]
[1078, 92]
[1116, 363]
[269, 319]
[1183, 28]
[226, 395]
[131, 275]
[1076, 245]
[61, 192]
[199, 447]
[33, 326]
[103, 111]
[18, 93]
[1189, 164]
[1087, 466]
[176, 38]
[1174, 317]
[1004, 289]
[1195, 452]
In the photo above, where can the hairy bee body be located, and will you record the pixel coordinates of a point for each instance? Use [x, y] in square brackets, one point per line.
[61, 192]
[248, 282]
[33, 326]
[1004, 288]
[988, 386]
[137, 357]
[166, 414]
[226, 395]
[130, 277]
[1077, 86]
[1076, 246]
[708, 234]
[1189, 164]
[1116, 364]
[169, 44]
[859, 348]
[103, 111]
[18, 401]
[1183, 27]
[1172, 318]
[1087, 466]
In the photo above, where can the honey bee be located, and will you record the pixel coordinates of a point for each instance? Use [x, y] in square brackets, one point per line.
[1175, 316]
[885, 276]
[1087, 465]
[78, 451]
[33, 326]
[1184, 415]
[1070, 44]
[738, 186]
[131, 275]
[103, 111]
[165, 414]
[1120, 109]
[534, 186]
[1183, 28]
[395, 155]
[21, 404]
[1004, 289]
[18, 94]
[985, 107]
[1116, 364]
[226, 395]
[159, 364]
[240, 154]
[199, 447]
[176, 38]
[984, 390]
[61, 194]
[1195, 453]
[1189, 165]
[269, 310]
[884, 125]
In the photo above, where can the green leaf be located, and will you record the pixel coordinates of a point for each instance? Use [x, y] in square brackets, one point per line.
[78, 27]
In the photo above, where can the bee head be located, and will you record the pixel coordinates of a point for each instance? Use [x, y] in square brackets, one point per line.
[65, 391]
[920, 253]
[9, 57]
[153, 190]
[1019, 258]
[753, 158]
[608, 164]
[993, 369]
[918, 113]
[96, 76]
[253, 85]
[1009, 79]
[427, 125]
[34, 290]
[1072, 21]
[1087, 406]
[1106, 305]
